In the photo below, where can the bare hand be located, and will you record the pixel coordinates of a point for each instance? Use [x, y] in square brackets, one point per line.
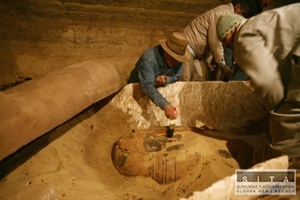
[210, 66]
[226, 69]
[161, 80]
[170, 112]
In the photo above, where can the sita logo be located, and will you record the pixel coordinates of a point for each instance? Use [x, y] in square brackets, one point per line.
[271, 179]
[266, 175]
[265, 182]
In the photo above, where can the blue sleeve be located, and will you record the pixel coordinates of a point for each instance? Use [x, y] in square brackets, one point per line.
[228, 56]
[148, 84]
[173, 78]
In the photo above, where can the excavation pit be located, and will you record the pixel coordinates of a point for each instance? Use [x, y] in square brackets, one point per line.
[150, 153]
[75, 161]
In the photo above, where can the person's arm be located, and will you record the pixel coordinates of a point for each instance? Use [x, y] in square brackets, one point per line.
[216, 47]
[209, 62]
[258, 62]
[227, 66]
[228, 56]
[148, 84]
[175, 76]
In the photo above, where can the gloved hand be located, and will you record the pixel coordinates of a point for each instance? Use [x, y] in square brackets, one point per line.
[227, 70]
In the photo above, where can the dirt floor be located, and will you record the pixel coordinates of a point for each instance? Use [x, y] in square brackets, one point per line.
[74, 162]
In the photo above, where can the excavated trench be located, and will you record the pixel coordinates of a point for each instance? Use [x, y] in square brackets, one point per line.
[148, 150]
[118, 147]
[79, 138]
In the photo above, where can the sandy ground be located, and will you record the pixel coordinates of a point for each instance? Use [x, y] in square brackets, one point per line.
[74, 162]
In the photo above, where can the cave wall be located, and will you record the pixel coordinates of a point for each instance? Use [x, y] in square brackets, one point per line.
[37, 37]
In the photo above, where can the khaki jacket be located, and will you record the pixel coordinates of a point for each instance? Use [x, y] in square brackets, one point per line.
[202, 34]
[263, 48]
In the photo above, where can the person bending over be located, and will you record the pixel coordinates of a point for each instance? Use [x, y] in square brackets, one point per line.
[159, 66]
[204, 45]
[267, 48]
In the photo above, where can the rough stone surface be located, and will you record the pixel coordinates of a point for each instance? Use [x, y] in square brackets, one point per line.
[227, 107]
[213, 105]
[37, 37]
[225, 188]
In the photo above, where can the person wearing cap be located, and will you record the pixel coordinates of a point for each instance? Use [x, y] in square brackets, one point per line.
[267, 48]
[204, 44]
[159, 66]
[256, 7]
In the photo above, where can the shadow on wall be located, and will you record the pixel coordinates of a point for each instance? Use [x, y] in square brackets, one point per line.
[12, 162]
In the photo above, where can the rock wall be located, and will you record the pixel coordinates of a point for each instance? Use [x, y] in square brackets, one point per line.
[37, 37]
[215, 105]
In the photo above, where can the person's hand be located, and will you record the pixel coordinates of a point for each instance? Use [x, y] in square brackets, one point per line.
[170, 112]
[210, 66]
[161, 80]
[227, 70]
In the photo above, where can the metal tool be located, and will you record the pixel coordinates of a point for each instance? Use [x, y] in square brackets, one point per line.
[171, 128]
